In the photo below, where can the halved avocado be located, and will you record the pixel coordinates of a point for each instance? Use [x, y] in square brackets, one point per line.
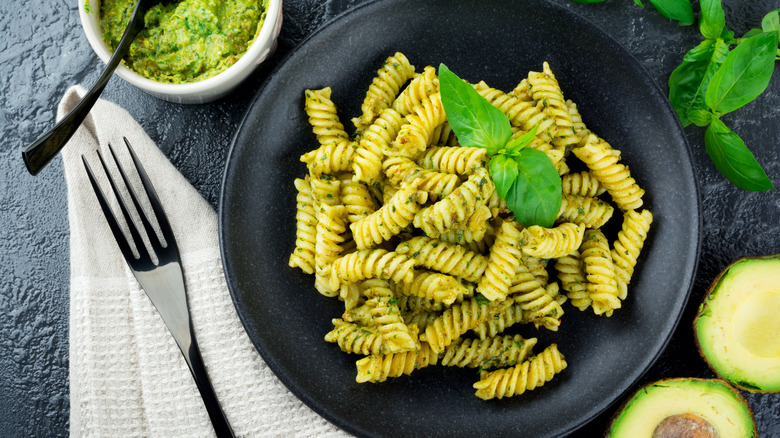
[684, 408]
[738, 325]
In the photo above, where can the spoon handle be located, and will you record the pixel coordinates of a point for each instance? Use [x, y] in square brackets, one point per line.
[39, 153]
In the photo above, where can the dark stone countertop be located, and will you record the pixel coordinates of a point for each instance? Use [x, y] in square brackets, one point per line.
[43, 51]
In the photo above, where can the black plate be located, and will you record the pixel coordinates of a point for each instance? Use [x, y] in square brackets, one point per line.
[498, 41]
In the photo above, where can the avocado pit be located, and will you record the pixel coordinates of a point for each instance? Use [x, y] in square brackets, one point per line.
[685, 426]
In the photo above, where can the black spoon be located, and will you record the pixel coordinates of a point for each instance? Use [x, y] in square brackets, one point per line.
[38, 153]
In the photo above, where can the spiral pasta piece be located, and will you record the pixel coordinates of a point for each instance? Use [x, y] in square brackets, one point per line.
[375, 288]
[371, 263]
[501, 321]
[521, 113]
[458, 319]
[454, 159]
[494, 352]
[502, 263]
[356, 339]
[374, 141]
[604, 163]
[600, 273]
[384, 88]
[331, 223]
[325, 190]
[573, 281]
[400, 170]
[588, 212]
[305, 228]
[630, 240]
[421, 86]
[582, 184]
[549, 243]
[444, 257]
[378, 368]
[355, 197]
[383, 314]
[420, 318]
[532, 373]
[546, 91]
[390, 219]
[537, 267]
[331, 158]
[456, 207]
[440, 288]
[443, 135]
[576, 122]
[416, 134]
[539, 307]
[323, 117]
[473, 231]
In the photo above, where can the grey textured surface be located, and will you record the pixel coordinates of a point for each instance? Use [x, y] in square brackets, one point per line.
[43, 51]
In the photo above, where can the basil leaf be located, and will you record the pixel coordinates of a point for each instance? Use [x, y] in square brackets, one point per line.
[712, 19]
[700, 117]
[680, 10]
[744, 74]
[771, 21]
[535, 196]
[733, 159]
[503, 170]
[701, 52]
[475, 121]
[728, 36]
[518, 143]
[639, 3]
[752, 33]
[688, 82]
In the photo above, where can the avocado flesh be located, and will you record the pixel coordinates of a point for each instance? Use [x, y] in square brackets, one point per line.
[738, 324]
[713, 400]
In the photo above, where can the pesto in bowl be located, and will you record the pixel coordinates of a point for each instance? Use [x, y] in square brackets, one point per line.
[186, 41]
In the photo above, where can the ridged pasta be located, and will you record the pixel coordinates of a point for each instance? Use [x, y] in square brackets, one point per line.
[458, 319]
[390, 219]
[444, 257]
[549, 243]
[531, 374]
[523, 114]
[420, 87]
[384, 88]
[598, 155]
[331, 158]
[501, 321]
[547, 93]
[443, 135]
[421, 318]
[576, 122]
[630, 240]
[537, 267]
[401, 169]
[456, 207]
[371, 263]
[323, 117]
[581, 184]
[540, 307]
[495, 352]
[600, 273]
[440, 288]
[356, 339]
[473, 231]
[374, 142]
[331, 223]
[378, 368]
[573, 281]
[415, 135]
[376, 287]
[305, 228]
[383, 314]
[586, 211]
[355, 197]
[502, 263]
[457, 160]
[325, 190]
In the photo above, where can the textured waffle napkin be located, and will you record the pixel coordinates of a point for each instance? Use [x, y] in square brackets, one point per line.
[127, 376]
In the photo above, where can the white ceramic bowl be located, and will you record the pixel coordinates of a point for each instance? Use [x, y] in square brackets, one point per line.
[195, 92]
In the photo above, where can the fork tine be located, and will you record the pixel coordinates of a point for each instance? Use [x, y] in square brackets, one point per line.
[154, 201]
[139, 243]
[153, 238]
[116, 230]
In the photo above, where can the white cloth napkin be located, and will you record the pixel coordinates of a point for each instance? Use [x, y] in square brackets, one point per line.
[127, 376]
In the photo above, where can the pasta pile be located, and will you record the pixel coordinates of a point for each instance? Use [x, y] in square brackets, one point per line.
[406, 228]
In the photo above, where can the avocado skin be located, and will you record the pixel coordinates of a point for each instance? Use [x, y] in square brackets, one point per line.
[611, 431]
[742, 382]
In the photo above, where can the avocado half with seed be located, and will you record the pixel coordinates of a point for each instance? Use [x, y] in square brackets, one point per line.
[684, 408]
[738, 325]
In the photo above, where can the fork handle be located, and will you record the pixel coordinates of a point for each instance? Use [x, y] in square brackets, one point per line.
[198, 370]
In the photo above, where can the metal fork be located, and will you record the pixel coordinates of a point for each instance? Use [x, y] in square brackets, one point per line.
[163, 282]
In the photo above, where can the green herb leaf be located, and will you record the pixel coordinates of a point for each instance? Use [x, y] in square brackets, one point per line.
[680, 10]
[752, 33]
[475, 121]
[733, 159]
[518, 143]
[504, 170]
[535, 196]
[744, 74]
[771, 21]
[688, 82]
[700, 117]
[639, 3]
[712, 19]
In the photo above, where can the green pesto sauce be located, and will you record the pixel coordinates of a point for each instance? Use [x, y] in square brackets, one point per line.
[186, 41]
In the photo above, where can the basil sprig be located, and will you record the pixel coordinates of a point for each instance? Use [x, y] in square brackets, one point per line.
[525, 178]
[721, 75]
